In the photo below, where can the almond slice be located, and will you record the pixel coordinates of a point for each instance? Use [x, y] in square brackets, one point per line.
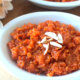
[50, 39]
[60, 39]
[56, 44]
[46, 46]
[43, 40]
[52, 35]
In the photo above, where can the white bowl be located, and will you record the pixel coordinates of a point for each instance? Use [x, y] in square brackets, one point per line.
[56, 5]
[36, 18]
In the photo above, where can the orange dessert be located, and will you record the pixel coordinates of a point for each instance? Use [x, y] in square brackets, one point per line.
[50, 48]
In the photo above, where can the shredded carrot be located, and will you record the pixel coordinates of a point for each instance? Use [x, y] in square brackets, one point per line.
[29, 55]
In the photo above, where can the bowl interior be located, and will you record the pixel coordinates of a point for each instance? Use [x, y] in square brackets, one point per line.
[35, 18]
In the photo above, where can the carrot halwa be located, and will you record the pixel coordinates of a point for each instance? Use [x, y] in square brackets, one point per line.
[28, 53]
[61, 0]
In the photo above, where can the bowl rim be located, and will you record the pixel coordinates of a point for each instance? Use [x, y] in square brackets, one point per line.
[9, 67]
[57, 4]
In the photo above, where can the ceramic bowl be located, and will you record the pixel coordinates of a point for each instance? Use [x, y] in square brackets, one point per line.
[35, 18]
[56, 5]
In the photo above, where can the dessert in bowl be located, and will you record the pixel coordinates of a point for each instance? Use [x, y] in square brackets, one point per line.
[44, 54]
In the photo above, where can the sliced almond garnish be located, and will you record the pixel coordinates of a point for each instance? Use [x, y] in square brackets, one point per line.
[56, 44]
[52, 35]
[60, 39]
[46, 46]
[43, 40]
[50, 39]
